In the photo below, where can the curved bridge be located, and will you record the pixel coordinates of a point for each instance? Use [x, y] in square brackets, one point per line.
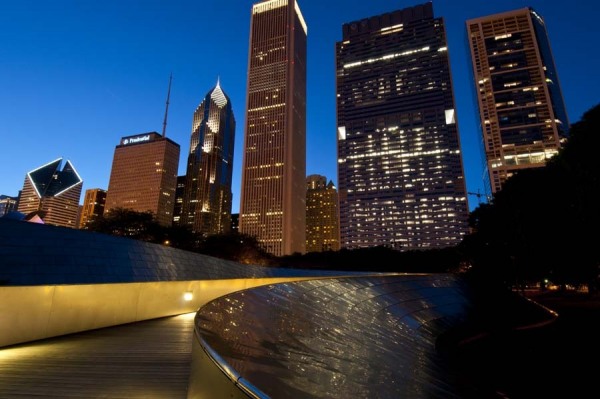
[259, 332]
[361, 337]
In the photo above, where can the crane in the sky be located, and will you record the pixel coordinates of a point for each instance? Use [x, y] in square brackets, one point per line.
[479, 195]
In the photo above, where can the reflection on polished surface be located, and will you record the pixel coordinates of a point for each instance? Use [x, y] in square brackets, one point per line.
[361, 337]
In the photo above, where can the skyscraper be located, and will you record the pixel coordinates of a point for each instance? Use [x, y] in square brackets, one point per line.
[401, 181]
[144, 175]
[322, 226]
[93, 206]
[523, 116]
[207, 196]
[179, 193]
[53, 192]
[8, 204]
[272, 207]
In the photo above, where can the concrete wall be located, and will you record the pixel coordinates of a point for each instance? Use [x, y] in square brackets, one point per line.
[29, 313]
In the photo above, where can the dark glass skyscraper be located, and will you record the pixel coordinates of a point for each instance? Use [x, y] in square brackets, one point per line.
[523, 116]
[54, 192]
[274, 170]
[401, 181]
[207, 195]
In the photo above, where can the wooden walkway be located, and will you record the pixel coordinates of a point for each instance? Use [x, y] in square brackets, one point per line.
[149, 359]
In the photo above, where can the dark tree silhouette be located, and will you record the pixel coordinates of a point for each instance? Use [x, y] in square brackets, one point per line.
[234, 246]
[128, 223]
[142, 226]
[541, 224]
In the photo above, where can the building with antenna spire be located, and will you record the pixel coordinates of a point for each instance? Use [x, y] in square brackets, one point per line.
[143, 176]
[207, 196]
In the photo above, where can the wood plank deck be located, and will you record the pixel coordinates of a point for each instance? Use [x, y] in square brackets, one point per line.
[149, 359]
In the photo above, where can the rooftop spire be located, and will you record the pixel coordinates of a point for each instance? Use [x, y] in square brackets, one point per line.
[164, 131]
[217, 95]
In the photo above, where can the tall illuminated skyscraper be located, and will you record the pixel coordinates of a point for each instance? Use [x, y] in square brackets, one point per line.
[53, 191]
[523, 116]
[274, 167]
[207, 196]
[401, 181]
[143, 177]
[93, 206]
[322, 218]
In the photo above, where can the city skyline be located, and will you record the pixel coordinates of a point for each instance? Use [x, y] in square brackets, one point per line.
[67, 77]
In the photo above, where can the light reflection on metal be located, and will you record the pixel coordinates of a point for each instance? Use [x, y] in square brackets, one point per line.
[337, 338]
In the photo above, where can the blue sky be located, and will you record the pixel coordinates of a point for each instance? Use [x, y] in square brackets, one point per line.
[77, 75]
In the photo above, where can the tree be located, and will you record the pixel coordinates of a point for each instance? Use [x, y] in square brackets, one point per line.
[142, 226]
[237, 247]
[128, 223]
[538, 226]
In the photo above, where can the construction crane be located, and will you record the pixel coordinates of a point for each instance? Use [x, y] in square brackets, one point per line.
[478, 194]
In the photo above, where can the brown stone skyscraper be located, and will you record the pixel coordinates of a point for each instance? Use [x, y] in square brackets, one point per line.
[322, 217]
[93, 206]
[143, 177]
[523, 116]
[272, 207]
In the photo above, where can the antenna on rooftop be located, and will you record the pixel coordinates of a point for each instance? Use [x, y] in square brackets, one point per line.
[164, 131]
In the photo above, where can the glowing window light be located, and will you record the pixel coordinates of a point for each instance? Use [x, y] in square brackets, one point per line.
[450, 119]
[385, 57]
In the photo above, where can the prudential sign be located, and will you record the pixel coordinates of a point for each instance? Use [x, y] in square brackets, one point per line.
[135, 140]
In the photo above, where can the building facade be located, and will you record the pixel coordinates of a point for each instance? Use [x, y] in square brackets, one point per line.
[235, 222]
[206, 206]
[8, 204]
[53, 192]
[179, 193]
[322, 216]
[400, 172]
[523, 116]
[93, 206]
[143, 176]
[272, 204]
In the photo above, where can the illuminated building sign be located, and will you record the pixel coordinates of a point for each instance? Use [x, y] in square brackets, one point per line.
[135, 139]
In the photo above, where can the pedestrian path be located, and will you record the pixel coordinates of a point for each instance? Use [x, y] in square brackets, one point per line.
[148, 359]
